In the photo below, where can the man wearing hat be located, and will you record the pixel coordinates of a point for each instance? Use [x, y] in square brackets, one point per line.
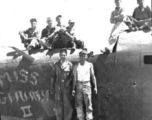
[31, 36]
[83, 71]
[62, 80]
[47, 34]
[72, 40]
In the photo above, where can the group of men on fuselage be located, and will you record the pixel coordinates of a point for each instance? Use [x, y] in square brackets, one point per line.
[140, 20]
[51, 37]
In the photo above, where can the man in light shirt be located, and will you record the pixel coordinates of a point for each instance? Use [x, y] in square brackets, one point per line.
[83, 71]
[117, 18]
[118, 14]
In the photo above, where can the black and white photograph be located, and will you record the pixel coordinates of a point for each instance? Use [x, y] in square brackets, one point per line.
[75, 60]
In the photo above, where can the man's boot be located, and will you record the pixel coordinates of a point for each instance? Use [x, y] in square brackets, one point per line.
[30, 48]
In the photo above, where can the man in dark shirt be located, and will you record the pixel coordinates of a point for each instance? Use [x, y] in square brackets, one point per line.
[47, 34]
[61, 85]
[58, 40]
[31, 36]
[142, 16]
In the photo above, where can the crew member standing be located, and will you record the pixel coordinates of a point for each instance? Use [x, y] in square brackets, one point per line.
[62, 79]
[47, 34]
[83, 71]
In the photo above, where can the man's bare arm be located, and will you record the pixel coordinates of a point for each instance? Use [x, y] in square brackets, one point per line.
[70, 36]
[21, 33]
[93, 78]
[31, 38]
[74, 79]
[52, 35]
[38, 36]
[117, 18]
[111, 18]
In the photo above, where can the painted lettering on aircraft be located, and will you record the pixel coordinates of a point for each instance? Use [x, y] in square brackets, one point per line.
[21, 89]
[21, 95]
[26, 111]
[34, 75]
[15, 75]
[22, 73]
[3, 100]
[25, 96]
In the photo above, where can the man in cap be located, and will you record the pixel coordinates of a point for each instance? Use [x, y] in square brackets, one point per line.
[47, 34]
[31, 36]
[62, 79]
[70, 33]
[83, 71]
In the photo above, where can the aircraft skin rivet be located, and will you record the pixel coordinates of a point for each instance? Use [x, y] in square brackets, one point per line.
[107, 96]
[134, 84]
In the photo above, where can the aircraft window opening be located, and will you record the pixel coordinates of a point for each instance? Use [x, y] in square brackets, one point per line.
[148, 59]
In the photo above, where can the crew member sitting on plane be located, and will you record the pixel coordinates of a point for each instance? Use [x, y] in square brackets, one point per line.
[118, 14]
[47, 34]
[141, 18]
[31, 36]
[70, 33]
[117, 18]
[143, 15]
[58, 40]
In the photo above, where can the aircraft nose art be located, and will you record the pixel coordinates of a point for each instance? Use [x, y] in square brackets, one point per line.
[25, 93]
[25, 83]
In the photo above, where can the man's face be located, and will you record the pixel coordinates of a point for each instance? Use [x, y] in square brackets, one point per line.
[83, 57]
[63, 56]
[71, 25]
[118, 3]
[59, 20]
[33, 24]
[140, 2]
[49, 22]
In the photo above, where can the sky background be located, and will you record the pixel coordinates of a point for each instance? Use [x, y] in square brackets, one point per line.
[91, 17]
